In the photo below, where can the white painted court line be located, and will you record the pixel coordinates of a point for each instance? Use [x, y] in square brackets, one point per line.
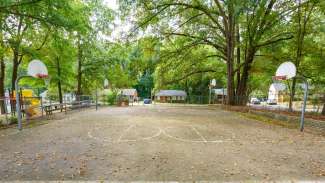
[145, 138]
[164, 132]
[124, 132]
[90, 136]
[198, 133]
[192, 141]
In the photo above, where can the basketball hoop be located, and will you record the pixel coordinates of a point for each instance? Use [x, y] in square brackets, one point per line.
[41, 76]
[288, 70]
[47, 80]
[37, 69]
[279, 78]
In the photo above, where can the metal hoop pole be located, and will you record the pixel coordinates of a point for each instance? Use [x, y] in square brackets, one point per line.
[210, 88]
[302, 118]
[18, 101]
[96, 99]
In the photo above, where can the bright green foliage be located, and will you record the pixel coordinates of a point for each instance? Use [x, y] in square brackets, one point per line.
[175, 44]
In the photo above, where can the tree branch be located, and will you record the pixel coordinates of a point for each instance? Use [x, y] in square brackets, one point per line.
[200, 8]
[188, 75]
[272, 40]
[20, 4]
[218, 47]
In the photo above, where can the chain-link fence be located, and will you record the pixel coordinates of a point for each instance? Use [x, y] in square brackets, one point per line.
[35, 107]
[280, 101]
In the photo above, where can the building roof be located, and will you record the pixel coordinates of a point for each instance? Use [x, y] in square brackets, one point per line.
[171, 93]
[129, 92]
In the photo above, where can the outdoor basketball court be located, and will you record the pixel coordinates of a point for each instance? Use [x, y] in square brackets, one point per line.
[160, 143]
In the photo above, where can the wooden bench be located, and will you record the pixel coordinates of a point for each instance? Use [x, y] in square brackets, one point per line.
[49, 109]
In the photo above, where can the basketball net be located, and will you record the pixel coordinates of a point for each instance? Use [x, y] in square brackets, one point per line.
[41, 76]
[46, 79]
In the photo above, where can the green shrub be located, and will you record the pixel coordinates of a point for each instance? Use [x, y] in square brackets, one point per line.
[111, 98]
[13, 120]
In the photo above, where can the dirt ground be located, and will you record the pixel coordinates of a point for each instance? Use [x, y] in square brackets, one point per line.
[160, 143]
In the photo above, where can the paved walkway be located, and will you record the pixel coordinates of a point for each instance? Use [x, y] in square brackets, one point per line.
[160, 143]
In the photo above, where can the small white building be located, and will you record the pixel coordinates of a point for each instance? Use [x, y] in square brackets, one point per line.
[276, 92]
[219, 95]
[131, 94]
[170, 96]
[220, 91]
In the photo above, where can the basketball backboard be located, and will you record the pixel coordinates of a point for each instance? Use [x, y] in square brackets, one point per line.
[286, 70]
[106, 83]
[37, 69]
[213, 82]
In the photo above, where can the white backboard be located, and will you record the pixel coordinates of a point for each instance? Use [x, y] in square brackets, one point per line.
[37, 69]
[106, 83]
[213, 82]
[287, 69]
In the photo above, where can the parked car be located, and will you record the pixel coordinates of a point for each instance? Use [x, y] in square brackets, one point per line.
[271, 102]
[147, 101]
[263, 99]
[255, 101]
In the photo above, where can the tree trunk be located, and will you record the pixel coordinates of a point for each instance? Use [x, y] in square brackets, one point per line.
[230, 85]
[238, 54]
[59, 80]
[2, 84]
[302, 23]
[2, 70]
[15, 64]
[230, 49]
[79, 74]
[15, 50]
[292, 94]
[242, 86]
[323, 110]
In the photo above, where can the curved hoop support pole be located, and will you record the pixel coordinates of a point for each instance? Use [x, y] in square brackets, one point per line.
[18, 101]
[302, 117]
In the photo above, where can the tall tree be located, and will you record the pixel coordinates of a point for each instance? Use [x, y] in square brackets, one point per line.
[302, 18]
[214, 23]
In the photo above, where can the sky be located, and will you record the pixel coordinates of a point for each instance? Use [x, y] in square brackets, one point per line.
[112, 4]
[120, 26]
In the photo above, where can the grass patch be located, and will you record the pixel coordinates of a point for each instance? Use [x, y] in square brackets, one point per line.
[270, 120]
[35, 123]
[30, 124]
